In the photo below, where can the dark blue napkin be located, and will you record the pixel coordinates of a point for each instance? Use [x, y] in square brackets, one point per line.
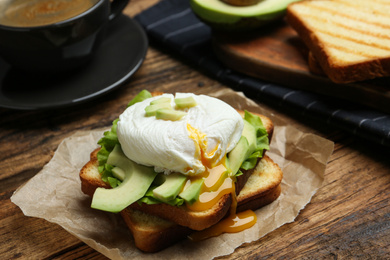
[172, 24]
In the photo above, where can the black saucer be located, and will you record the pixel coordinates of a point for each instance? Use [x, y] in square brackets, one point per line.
[118, 58]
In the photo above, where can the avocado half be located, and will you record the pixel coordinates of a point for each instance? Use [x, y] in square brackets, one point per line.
[226, 17]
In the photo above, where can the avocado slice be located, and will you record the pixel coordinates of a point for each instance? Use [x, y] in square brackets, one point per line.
[118, 173]
[244, 148]
[172, 186]
[226, 17]
[161, 100]
[169, 114]
[186, 102]
[238, 155]
[249, 132]
[152, 109]
[136, 182]
[191, 193]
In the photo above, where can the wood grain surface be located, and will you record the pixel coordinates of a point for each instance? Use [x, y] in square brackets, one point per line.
[348, 218]
[277, 54]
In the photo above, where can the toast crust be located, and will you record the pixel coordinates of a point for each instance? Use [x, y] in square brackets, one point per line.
[90, 176]
[263, 186]
[338, 69]
[151, 233]
[185, 217]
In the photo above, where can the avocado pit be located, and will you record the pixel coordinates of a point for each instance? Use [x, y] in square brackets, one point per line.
[241, 2]
[239, 15]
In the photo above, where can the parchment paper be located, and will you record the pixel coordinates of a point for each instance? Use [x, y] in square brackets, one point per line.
[54, 193]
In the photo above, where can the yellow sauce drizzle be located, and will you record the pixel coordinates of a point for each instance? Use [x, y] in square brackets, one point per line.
[231, 224]
[207, 199]
[217, 183]
[215, 176]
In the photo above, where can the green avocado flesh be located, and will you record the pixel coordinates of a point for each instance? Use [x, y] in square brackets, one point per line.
[220, 15]
[152, 109]
[238, 155]
[160, 100]
[244, 148]
[137, 179]
[169, 114]
[170, 188]
[186, 102]
[191, 194]
[249, 132]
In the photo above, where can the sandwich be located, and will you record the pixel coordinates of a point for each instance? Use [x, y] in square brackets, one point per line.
[182, 166]
[348, 39]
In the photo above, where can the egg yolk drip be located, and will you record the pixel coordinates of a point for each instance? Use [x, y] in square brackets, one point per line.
[200, 141]
[217, 183]
[232, 224]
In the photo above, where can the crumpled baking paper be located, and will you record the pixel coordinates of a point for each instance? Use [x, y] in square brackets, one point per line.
[54, 193]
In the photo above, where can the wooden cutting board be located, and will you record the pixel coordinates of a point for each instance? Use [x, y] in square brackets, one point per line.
[277, 54]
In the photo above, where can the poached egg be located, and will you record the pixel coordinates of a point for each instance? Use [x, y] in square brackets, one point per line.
[199, 140]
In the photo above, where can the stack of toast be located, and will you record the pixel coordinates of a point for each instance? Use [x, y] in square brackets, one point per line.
[155, 227]
[349, 40]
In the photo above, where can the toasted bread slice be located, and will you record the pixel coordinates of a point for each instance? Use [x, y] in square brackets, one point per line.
[90, 176]
[196, 220]
[314, 66]
[349, 38]
[152, 234]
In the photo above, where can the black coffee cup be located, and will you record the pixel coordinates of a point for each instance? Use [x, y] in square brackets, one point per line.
[61, 45]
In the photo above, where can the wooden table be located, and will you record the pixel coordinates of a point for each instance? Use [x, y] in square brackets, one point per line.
[349, 217]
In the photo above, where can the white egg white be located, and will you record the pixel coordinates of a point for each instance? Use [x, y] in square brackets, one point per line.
[168, 145]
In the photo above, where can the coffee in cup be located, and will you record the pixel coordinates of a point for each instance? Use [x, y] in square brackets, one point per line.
[53, 35]
[30, 13]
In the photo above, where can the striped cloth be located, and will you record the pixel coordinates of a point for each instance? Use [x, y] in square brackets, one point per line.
[171, 24]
